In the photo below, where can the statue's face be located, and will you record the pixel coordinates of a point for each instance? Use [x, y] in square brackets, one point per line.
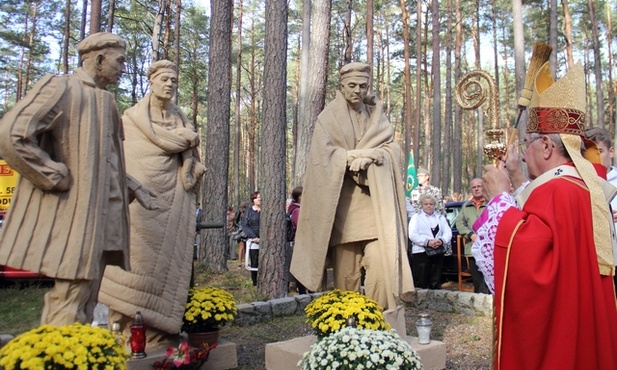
[354, 89]
[111, 65]
[164, 85]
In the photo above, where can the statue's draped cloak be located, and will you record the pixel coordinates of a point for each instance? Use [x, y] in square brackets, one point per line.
[162, 239]
[332, 138]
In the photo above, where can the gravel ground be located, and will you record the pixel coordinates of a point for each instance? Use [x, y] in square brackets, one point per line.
[468, 339]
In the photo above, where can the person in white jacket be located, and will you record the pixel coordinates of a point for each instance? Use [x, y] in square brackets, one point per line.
[429, 233]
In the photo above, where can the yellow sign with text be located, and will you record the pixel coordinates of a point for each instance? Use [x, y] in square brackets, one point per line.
[8, 180]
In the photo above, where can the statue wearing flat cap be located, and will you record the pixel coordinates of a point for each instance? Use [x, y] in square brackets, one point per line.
[353, 205]
[69, 214]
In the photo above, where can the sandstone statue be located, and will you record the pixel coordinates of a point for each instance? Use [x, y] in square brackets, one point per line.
[161, 152]
[69, 216]
[353, 203]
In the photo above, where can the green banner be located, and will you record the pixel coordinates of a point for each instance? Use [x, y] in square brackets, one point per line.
[412, 179]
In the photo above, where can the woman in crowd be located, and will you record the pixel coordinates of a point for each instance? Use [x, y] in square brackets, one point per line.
[250, 225]
[294, 212]
[429, 233]
[238, 231]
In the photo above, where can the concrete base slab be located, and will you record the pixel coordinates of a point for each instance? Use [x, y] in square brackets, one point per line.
[285, 355]
[433, 355]
[223, 357]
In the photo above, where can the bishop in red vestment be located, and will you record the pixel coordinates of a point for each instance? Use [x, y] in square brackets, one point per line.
[548, 253]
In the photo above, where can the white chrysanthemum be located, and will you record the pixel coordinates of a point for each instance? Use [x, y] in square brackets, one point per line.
[383, 350]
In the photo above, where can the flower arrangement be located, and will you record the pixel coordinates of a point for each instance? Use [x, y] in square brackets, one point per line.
[330, 312]
[75, 346]
[185, 357]
[207, 309]
[357, 349]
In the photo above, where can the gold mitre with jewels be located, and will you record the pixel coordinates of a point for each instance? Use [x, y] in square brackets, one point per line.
[558, 106]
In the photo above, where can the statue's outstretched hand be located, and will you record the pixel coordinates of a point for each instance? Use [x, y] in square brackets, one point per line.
[147, 198]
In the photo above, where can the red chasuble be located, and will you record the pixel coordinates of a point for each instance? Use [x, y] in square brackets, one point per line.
[553, 309]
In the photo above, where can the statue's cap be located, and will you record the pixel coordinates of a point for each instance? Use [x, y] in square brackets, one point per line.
[99, 41]
[161, 66]
[356, 69]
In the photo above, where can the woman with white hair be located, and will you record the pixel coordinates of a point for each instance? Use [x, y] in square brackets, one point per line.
[429, 233]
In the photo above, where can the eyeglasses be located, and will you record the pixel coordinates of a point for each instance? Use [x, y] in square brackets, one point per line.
[525, 144]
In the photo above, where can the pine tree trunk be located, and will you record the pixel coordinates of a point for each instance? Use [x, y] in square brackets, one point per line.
[66, 36]
[317, 74]
[347, 34]
[436, 72]
[369, 40]
[274, 252]
[407, 81]
[156, 30]
[238, 117]
[110, 17]
[95, 16]
[177, 43]
[216, 156]
[597, 65]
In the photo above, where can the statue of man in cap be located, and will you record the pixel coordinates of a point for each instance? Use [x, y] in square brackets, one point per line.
[353, 203]
[69, 216]
[547, 254]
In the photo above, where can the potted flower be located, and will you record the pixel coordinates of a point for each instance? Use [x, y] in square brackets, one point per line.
[330, 312]
[206, 310]
[354, 348]
[185, 357]
[75, 346]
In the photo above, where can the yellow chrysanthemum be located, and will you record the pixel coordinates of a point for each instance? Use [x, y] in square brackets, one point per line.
[74, 346]
[330, 312]
[208, 307]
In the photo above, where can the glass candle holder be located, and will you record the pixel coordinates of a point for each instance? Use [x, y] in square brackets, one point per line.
[138, 337]
[423, 326]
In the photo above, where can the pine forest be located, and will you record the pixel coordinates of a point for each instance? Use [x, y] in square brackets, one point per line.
[254, 75]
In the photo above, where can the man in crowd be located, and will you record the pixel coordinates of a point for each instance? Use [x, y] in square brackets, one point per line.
[425, 187]
[470, 212]
[551, 259]
[353, 204]
[69, 216]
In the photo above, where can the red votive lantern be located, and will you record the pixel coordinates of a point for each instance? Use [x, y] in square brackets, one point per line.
[138, 337]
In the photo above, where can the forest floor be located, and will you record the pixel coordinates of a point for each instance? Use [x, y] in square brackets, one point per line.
[468, 339]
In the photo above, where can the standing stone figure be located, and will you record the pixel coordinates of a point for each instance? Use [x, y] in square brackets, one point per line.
[353, 203]
[161, 153]
[69, 216]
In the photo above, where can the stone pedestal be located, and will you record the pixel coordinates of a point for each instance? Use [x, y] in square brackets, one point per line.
[223, 357]
[286, 355]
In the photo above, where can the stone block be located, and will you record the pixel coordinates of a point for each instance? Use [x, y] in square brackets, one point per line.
[223, 357]
[253, 313]
[4, 339]
[303, 301]
[285, 355]
[284, 306]
[433, 355]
